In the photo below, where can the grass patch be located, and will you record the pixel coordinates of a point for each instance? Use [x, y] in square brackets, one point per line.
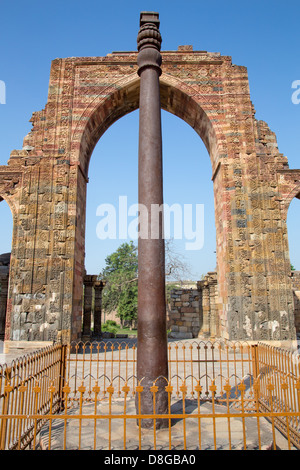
[112, 326]
[127, 331]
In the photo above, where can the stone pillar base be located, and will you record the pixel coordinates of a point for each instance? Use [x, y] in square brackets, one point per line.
[86, 338]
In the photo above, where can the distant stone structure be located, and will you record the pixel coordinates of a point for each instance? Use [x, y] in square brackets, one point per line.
[92, 307]
[184, 319]
[45, 184]
[195, 311]
[296, 291]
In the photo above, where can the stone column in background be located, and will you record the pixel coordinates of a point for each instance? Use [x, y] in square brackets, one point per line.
[212, 286]
[203, 287]
[87, 306]
[98, 287]
[3, 298]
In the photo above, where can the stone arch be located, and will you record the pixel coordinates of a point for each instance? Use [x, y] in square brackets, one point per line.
[177, 98]
[294, 193]
[11, 203]
[5, 265]
[4, 196]
[295, 275]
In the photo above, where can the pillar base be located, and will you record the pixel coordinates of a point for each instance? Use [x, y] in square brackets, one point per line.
[86, 338]
[144, 402]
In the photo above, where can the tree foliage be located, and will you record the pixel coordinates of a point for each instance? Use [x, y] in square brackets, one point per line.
[120, 273]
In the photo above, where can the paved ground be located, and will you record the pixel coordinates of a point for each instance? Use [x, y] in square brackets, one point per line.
[65, 434]
[21, 348]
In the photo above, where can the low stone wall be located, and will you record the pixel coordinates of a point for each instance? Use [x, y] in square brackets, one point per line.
[295, 275]
[296, 290]
[184, 314]
[194, 311]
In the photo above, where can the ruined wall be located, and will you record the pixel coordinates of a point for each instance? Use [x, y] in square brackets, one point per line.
[184, 314]
[195, 312]
[296, 292]
[45, 186]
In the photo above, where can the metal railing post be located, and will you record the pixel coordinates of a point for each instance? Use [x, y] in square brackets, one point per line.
[255, 364]
[3, 427]
[62, 373]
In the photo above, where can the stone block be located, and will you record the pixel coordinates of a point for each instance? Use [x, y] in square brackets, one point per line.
[183, 329]
[185, 297]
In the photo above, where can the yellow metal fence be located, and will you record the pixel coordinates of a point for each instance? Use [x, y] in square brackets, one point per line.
[86, 396]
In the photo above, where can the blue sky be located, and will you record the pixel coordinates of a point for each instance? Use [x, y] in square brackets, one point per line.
[261, 35]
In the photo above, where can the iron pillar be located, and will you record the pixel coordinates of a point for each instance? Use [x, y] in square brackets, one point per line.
[152, 352]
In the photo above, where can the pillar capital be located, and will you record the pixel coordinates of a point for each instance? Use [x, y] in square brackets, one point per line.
[149, 42]
[90, 279]
[99, 285]
[149, 17]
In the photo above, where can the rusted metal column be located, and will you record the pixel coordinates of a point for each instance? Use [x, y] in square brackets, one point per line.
[152, 355]
[98, 287]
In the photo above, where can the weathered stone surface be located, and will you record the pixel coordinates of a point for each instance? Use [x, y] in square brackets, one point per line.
[295, 276]
[4, 279]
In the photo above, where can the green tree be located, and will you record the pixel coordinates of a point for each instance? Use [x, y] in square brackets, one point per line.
[120, 292]
[121, 275]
